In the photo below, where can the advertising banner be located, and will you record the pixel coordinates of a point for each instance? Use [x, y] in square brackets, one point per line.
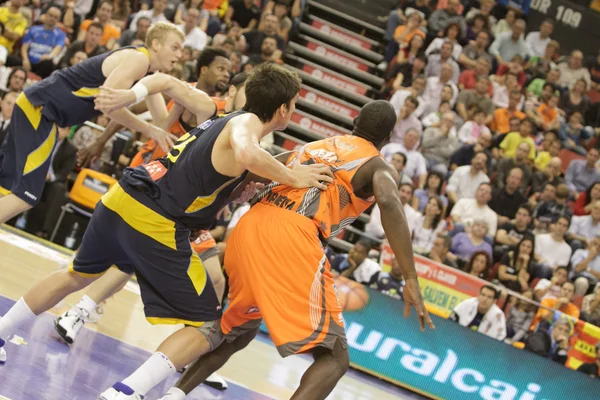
[337, 57]
[313, 125]
[329, 103]
[350, 39]
[342, 83]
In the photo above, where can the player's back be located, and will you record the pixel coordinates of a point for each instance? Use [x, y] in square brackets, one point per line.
[184, 186]
[338, 206]
[67, 96]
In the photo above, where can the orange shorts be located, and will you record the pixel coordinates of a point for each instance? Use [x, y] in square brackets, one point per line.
[148, 152]
[278, 271]
[205, 245]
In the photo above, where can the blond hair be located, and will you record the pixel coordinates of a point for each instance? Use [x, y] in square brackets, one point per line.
[160, 30]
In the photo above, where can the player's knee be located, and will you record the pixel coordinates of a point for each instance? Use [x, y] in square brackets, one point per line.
[338, 355]
[213, 333]
[244, 340]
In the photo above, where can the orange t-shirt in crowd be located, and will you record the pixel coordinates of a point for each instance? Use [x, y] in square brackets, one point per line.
[110, 31]
[547, 113]
[569, 309]
[400, 30]
[212, 4]
[501, 121]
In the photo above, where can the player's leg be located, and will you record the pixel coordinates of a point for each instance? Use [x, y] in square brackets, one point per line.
[69, 324]
[215, 271]
[11, 206]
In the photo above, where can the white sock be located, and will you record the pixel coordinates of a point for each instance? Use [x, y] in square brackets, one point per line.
[18, 315]
[175, 394]
[86, 303]
[151, 373]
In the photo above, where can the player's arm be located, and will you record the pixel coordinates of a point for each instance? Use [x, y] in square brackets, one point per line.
[244, 140]
[395, 226]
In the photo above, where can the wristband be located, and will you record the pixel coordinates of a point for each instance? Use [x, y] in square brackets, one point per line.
[141, 92]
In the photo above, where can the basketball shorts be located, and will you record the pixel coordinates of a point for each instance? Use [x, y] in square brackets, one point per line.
[205, 245]
[27, 153]
[174, 284]
[278, 271]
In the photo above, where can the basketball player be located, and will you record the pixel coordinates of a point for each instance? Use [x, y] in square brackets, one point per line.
[143, 223]
[67, 98]
[277, 267]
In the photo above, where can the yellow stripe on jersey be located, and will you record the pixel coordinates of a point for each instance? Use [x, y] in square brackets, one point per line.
[144, 50]
[33, 113]
[38, 157]
[86, 92]
[4, 191]
[173, 321]
[205, 201]
[140, 217]
[72, 270]
[197, 273]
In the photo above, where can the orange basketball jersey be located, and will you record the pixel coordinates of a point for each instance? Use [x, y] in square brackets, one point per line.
[338, 206]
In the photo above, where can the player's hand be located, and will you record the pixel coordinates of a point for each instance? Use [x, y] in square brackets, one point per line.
[412, 297]
[109, 99]
[224, 212]
[249, 191]
[164, 139]
[315, 175]
[88, 154]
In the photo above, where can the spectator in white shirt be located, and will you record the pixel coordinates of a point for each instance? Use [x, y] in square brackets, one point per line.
[586, 267]
[466, 211]
[433, 95]
[584, 228]
[435, 62]
[429, 226]
[538, 41]
[415, 90]
[194, 36]
[551, 249]
[357, 265]
[406, 120]
[405, 192]
[465, 180]
[155, 14]
[416, 166]
[573, 70]
[482, 314]
[550, 289]
[509, 44]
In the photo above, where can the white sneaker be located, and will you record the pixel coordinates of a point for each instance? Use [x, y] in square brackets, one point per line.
[2, 355]
[96, 314]
[216, 381]
[120, 391]
[70, 323]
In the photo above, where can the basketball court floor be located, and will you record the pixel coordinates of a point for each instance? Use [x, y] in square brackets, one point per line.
[42, 367]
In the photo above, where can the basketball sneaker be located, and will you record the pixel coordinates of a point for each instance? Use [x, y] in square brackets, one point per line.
[70, 323]
[216, 381]
[2, 355]
[120, 391]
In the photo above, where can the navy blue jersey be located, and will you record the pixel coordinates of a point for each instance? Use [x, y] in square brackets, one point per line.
[67, 96]
[184, 185]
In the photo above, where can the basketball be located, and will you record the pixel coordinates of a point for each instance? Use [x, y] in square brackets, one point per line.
[352, 295]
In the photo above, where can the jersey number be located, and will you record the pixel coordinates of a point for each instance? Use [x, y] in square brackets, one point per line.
[180, 146]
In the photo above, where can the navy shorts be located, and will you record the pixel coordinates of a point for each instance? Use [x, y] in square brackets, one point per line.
[27, 152]
[174, 284]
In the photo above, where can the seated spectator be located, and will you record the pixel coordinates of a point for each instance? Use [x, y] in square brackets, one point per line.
[435, 88]
[432, 188]
[78, 57]
[469, 77]
[7, 105]
[482, 314]
[90, 46]
[444, 57]
[554, 307]
[547, 114]
[270, 27]
[464, 244]
[404, 34]
[507, 200]
[485, 9]
[451, 36]
[545, 288]
[405, 193]
[434, 118]
[409, 67]
[42, 219]
[551, 249]
[516, 67]
[583, 205]
[551, 175]
[428, 226]
[537, 85]
[507, 45]
[592, 369]
[476, 97]
[139, 33]
[356, 265]
[547, 212]
[438, 145]
[502, 87]
[416, 167]
[281, 9]
[474, 53]
[233, 33]
[474, 126]
[195, 37]
[16, 81]
[398, 161]
[583, 173]
[466, 180]
[520, 161]
[406, 120]
[590, 309]
[511, 142]
[511, 233]
[544, 155]
[575, 100]
[465, 154]
[479, 265]
[183, 8]
[573, 134]
[519, 318]
[155, 14]
[15, 24]
[243, 12]
[551, 343]
[517, 267]
[465, 211]
[505, 25]
[475, 26]
[440, 251]
[538, 41]
[415, 91]
[572, 70]
[121, 12]
[42, 43]
[268, 52]
[110, 33]
[441, 18]
[586, 267]
[502, 116]
[534, 103]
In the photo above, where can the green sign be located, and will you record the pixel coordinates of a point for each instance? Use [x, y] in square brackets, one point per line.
[452, 362]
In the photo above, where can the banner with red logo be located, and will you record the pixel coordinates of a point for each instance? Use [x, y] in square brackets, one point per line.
[326, 102]
[315, 126]
[341, 83]
[337, 57]
[349, 39]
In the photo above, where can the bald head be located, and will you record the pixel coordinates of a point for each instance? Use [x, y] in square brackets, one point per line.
[375, 122]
